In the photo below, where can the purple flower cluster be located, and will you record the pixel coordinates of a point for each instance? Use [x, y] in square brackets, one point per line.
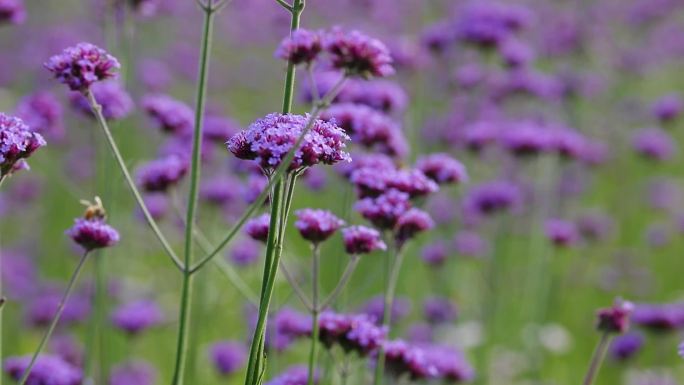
[161, 174]
[294, 375]
[82, 65]
[561, 233]
[426, 362]
[93, 233]
[17, 142]
[317, 225]
[289, 325]
[438, 310]
[111, 95]
[42, 113]
[228, 357]
[170, 115]
[137, 316]
[362, 240]
[626, 346]
[488, 24]
[492, 197]
[357, 54]
[302, 47]
[257, 228]
[668, 107]
[352, 332]
[133, 373]
[48, 370]
[654, 144]
[12, 11]
[615, 319]
[268, 140]
[659, 317]
[442, 168]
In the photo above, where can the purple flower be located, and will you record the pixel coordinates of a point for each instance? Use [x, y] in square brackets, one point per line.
[654, 144]
[137, 316]
[402, 359]
[68, 348]
[412, 182]
[411, 223]
[615, 319]
[488, 24]
[375, 309]
[439, 36]
[492, 197]
[569, 143]
[170, 115]
[362, 240]
[157, 204]
[302, 46]
[294, 375]
[476, 136]
[378, 162]
[317, 225]
[228, 356]
[12, 11]
[111, 95]
[561, 232]
[680, 350]
[442, 168]
[154, 74]
[438, 310]
[133, 373]
[17, 142]
[245, 252]
[450, 363]
[384, 211]
[268, 140]
[352, 332]
[257, 228]
[290, 325]
[42, 113]
[594, 226]
[217, 129]
[435, 253]
[526, 138]
[358, 54]
[93, 233]
[253, 188]
[470, 244]
[668, 108]
[82, 65]
[42, 309]
[626, 346]
[48, 370]
[659, 317]
[161, 174]
[382, 95]
[219, 190]
[515, 53]
[18, 274]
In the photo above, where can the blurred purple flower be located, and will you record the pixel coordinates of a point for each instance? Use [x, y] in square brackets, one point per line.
[301, 47]
[93, 234]
[668, 107]
[654, 144]
[257, 228]
[358, 54]
[435, 253]
[48, 370]
[626, 346]
[375, 306]
[245, 252]
[615, 319]
[362, 240]
[561, 233]
[12, 11]
[317, 225]
[160, 175]
[42, 113]
[137, 316]
[170, 115]
[228, 356]
[439, 310]
[111, 95]
[133, 373]
[442, 168]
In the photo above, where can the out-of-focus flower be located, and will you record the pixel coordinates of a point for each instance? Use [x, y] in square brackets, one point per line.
[218, 128]
[358, 54]
[41, 310]
[382, 95]
[353, 333]
[659, 317]
[435, 253]
[515, 53]
[257, 228]
[385, 210]
[561, 232]
[615, 319]
[82, 65]
[470, 244]
[442, 168]
[402, 359]
[488, 24]
[439, 36]
[493, 197]
[219, 190]
[137, 316]
[526, 138]
[411, 223]
[136, 372]
[170, 115]
[301, 47]
[268, 140]
[654, 144]
[48, 369]
[626, 346]
[17, 142]
[317, 225]
[289, 325]
[450, 363]
[295, 375]
[68, 348]
[667, 108]
[362, 240]
[42, 113]
[12, 11]
[228, 356]
[375, 309]
[161, 174]
[439, 310]
[594, 226]
[245, 252]
[111, 95]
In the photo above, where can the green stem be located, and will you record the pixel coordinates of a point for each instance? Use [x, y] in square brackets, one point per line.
[597, 359]
[186, 293]
[390, 290]
[55, 320]
[97, 110]
[288, 96]
[348, 271]
[314, 315]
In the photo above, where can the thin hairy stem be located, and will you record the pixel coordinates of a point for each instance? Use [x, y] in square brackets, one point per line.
[187, 286]
[314, 315]
[597, 359]
[55, 319]
[97, 110]
[348, 271]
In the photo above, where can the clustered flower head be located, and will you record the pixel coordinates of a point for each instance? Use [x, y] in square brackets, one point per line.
[317, 225]
[302, 46]
[352, 332]
[362, 240]
[228, 356]
[442, 168]
[358, 54]
[268, 141]
[42, 113]
[561, 232]
[170, 115]
[17, 142]
[615, 319]
[48, 369]
[82, 65]
[660, 318]
[91, 231]
[289, 326]
[257, 228]
[161, 174]
[137, 316]
[12, 11]
[133, 373]
[654, 144]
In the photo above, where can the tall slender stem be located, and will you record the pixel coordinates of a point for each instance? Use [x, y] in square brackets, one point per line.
[297, 9]
[392, 279]
[187, 286]
[314, 315]
[55, 319]
[97, 110]
[597, 359]
[348, 271]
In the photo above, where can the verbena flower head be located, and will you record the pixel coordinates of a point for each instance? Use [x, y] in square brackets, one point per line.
[93, 234]
[161, 174]
[12, 11]
[228, 357]
[317, 225]
[375, 309]
[450, 364]
[136, 372]
[48, 370]
[289, 325]
[439, 310]
[492, 197]
[362, 240]
[411, 223]
[170, 115]
[594, 226]
[615, 319]
[561, 232]
[659, 317]
[17, 142]
[488, 24]
[384, 211]
[470, 244]
[111, 95]
[352, 332]
[668, 108]
[435, 253]
[257, 228]
[301, 47]
[137, 316]
[268, 140]
[245, 252]
[82, 65]
[402, 358]
[294, 375]
[358, 54]
[42, 113]
[654, 144]
[526, 138]
[41, 310]
[626, 346]
[381, 95]
[442, 168]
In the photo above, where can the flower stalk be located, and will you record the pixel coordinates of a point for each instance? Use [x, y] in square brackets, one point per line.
[315, 254]
[597, 358]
